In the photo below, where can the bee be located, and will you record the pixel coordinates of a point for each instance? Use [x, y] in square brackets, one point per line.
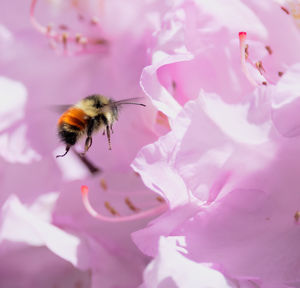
[88, 116]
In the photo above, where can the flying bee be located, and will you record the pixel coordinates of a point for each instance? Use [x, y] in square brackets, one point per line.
[88, 116]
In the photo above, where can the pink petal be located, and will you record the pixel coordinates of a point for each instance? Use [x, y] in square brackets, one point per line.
[171, 269]
[285, 103]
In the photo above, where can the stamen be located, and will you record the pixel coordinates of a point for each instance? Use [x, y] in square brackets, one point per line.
[80, 17]
[65, 38]
[242, 37]
[260, 67]
[112, 210]
[78, 37]
[75, 3]
[174, 85]
[130, 205]
[151, 212]
[264, 83]
[285, 10]
[78, 284]
[49, 28]
[162, 119]
[36, 25]
[268, 48]
[94, 20]
[160, 199]
[63, 27]
[103, 184]
[297, 216]
[99, 41]
[246, 51]
[280, 74]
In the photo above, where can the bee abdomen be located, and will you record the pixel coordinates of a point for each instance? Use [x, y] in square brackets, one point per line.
[71, 125]
[74, 117]
[69, 134]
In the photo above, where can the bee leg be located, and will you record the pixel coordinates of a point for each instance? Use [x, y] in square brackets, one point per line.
[89, 140]
[111, 129]
[67, 150]
[108, 137]
[88, 143]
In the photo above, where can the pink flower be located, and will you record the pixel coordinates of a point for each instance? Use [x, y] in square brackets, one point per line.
[217, 143]
[36, 74]
[230, 175]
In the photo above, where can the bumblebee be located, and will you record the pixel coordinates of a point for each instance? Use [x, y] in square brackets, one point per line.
[88, 116]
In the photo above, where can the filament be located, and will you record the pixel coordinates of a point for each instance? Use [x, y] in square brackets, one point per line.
[151, 212]
[244, 56]
[257, 65]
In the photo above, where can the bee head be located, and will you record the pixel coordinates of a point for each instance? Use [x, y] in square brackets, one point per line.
[114, 109]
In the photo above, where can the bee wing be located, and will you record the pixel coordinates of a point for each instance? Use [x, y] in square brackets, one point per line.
[60, 108]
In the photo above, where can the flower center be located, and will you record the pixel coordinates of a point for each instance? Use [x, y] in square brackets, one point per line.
[254, 70]
[138, 213]
[63, 39]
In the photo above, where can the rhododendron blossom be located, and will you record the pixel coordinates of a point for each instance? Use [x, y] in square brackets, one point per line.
[212, 161]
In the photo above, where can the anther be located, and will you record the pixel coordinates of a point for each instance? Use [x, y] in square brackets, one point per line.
[260, 67]
[77, 38]
[64, 38]
[285, 10]
[63, 27]
[268, 48]
[264, 83]
[130, 205]
[246, 51]
[49, 28]
[99, 41]
[112, 210]
[80, 17]
[78, 284]
[297, 216]
[160, 199]
[103, 184]
[162, 119]
[94, 20]
[174, 85]
[280, 73]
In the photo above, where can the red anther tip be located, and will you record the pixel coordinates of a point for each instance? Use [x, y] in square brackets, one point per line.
[84, 190]
[242, 34]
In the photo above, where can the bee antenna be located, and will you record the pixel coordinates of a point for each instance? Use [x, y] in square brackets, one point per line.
[130, 101]
[62, 155]
[140, 104]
